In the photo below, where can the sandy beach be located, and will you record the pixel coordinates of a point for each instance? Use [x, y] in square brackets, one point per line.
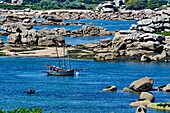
[40, 52]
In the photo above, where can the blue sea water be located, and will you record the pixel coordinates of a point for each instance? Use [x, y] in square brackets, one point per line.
[110, 25]
[84, 39]
[78, 94]
[4, 38]
[81, 93]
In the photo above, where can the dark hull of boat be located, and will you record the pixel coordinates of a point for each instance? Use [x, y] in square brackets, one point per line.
[61, 73]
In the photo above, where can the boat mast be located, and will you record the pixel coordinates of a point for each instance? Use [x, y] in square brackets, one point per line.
[57, 56]
[68, 59]
[64, 56]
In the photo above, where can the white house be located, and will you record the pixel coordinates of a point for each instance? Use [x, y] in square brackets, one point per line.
[16, 1]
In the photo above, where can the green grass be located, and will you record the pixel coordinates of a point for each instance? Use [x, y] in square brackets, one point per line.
[163, 33]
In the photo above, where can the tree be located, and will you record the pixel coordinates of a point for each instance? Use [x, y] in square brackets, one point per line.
[72, 5]
[46, 4]
[135, 4]
[152, 4]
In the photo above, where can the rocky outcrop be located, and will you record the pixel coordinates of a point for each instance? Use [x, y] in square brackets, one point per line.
[155, 24]
[32, 37]
[166, 88]
[55, 31]
[84, 31]
[110, 88]
[135, 46]
[52, 18]
[141, 109]
[18, 16]
[143, 84]
[51, 40]
[147, 96]
[145, 99]
[16, 27]
[140, 102]
[91, 31]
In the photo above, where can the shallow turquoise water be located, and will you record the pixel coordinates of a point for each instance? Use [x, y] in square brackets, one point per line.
[76, 94]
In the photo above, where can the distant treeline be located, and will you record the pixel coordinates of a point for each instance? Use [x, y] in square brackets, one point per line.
[142, 4]
[83, 4]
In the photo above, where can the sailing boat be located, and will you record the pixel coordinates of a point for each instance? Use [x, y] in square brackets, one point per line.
[57, 70]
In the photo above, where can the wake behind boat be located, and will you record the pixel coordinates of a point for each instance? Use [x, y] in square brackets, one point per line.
[57, 70]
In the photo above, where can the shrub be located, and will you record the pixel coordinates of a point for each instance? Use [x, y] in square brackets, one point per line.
[23, 110]
[164, 33]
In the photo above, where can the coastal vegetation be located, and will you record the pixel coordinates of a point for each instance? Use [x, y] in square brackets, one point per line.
[23, 110]
[142, 4]
[163, 33]
[81, 4]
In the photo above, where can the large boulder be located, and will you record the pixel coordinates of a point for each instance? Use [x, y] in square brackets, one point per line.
[144, 22]
[52, 18]
[141, 109]
[61, 31]
[55, 31]
[27, 20]
[106, 42]
[14, 38]
[166, 88]
[16, 27]
[147, 96]
[110, 88]
[30, 37]
[155, 24]
[145, 58]
[140, 102]
[26, 37]
[143, 84]
[51, 40]
[152, 37]
[88, 30]
[105, 56]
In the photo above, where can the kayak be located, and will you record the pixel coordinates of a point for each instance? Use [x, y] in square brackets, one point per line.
[165, 106]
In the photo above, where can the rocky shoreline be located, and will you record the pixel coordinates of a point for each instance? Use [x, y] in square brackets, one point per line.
[82, 14]
[144, 88]
[139, 43]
